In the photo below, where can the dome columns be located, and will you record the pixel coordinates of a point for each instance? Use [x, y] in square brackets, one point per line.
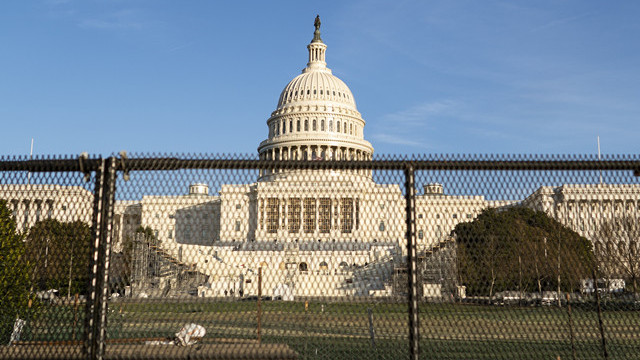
[314, 152]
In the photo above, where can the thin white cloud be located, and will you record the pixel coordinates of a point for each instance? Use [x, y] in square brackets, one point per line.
[181, 46]
[420, 114]
[406, 127]
[57, 2]
[397, 140]
[561, 21]
[123, 19]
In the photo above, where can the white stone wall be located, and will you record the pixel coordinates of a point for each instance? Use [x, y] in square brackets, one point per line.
[32, 203]
[583, 207]
[216, 233]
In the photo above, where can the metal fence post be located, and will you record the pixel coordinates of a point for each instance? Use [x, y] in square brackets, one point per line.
[414, 329]
[98, 290]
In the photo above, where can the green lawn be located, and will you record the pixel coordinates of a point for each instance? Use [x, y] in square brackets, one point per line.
[341, 330]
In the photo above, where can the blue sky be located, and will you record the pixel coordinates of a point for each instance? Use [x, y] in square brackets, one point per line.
[523, 77]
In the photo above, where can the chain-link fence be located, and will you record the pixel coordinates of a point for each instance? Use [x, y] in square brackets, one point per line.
[439, 257]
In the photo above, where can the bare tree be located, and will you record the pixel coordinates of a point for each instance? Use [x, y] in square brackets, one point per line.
[618, 249]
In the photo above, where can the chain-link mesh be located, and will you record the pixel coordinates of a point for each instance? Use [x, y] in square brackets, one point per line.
[529, 263]
[46, 220]
[480, 257]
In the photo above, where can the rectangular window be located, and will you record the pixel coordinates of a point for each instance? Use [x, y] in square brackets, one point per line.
[324, 212]
[294, 215]
[15, 209]
[357, 214]
[237, 225]
[346, 214]
[38, 210]
[273, 206]
[26, 214]
[283, 211]
[309, 215]
[260, 213]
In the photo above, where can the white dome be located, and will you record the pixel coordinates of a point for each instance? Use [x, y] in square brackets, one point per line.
[316, 86]
[316, 117]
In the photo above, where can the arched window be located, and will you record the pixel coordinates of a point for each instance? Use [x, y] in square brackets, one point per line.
[290, 125]
[303, 267]
[338, 126]
[322, 125]
[345, 127]
[298, 125]
[350, 129]
[330, 125]
[343, 266]
[306, 125]
[314, 125]
[324, 266]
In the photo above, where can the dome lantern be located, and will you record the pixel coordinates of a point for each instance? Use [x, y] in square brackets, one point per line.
[317, 51]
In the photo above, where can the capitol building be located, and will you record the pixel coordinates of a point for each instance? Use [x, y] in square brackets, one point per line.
[309, 233]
